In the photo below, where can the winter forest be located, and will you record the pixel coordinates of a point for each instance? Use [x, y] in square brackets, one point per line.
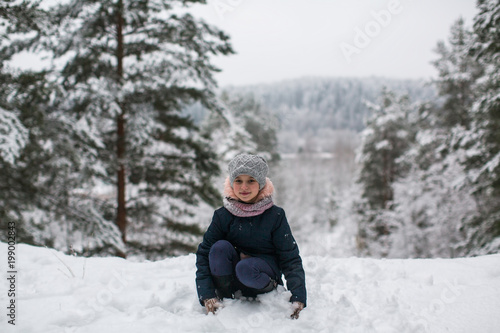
[118, 145]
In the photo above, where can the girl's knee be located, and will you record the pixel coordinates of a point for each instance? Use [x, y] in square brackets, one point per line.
[222, 247]
[246, 269]
[222, 258]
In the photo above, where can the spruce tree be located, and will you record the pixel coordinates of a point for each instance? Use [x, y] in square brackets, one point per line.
[46, 164]
[458, 72]
[54, 172]
[453, 208]
[483, 141]
[387, 136]
[19, 17]
[385, 139]
[438, 180]
[16, 18]
[127, 69]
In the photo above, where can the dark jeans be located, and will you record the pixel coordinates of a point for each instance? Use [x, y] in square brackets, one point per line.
[251, 272]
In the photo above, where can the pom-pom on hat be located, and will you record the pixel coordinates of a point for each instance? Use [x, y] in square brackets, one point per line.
[245, 164]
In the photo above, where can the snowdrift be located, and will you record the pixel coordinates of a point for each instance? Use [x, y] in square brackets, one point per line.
[60, 293]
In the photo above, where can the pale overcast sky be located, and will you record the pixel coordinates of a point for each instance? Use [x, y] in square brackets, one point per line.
[283, 39]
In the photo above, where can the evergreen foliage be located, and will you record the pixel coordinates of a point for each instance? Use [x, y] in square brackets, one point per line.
[227, 130]
[124, 70]
[308, 105]
[483, 141]
[387, 136]
[260, 122]
[246, 126]
[100, 152]
[447, 204]
[310, 112]
[19, 17]
[17, 152]
[458, 72]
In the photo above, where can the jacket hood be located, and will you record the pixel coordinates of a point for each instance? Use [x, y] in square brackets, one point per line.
[267, 190]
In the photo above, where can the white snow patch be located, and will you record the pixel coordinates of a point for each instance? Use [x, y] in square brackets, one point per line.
[60, 293]
[384, 144]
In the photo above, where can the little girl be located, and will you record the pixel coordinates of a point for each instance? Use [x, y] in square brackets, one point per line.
[249, 244]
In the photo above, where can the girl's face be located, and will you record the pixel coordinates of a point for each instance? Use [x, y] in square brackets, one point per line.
[246, 188]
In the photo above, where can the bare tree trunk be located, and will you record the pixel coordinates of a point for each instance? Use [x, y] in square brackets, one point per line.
[121, 214]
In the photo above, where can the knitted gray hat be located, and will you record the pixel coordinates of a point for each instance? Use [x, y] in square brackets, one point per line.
[246, 164]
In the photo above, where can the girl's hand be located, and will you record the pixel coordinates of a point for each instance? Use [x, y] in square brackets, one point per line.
[297, 307]
[212, 305]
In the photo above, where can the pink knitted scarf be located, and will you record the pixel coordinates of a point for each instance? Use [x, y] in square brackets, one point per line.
[236, 207]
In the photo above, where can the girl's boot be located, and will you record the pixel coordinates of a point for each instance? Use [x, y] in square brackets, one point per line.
[270, 287]
[224, 286]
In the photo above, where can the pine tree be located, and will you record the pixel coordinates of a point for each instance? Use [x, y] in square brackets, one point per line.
[486, 109]
[44, 187]
[387, 136]
[441, 121]
[41, 172]
[482, 143]
[385, 139]
[447, 204]
[20, 19]
[127, 68]
[458, 72]
[433, 224]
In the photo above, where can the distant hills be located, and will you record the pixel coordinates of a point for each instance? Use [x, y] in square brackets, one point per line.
[309, 104]
[313, 108]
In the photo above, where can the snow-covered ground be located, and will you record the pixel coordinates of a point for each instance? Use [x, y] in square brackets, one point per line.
[60, 293]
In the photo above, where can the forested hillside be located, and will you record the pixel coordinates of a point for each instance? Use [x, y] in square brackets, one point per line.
[97, 156]
[430, 170]
[119, 146]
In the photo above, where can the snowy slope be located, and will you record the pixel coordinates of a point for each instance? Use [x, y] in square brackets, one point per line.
[59, 293]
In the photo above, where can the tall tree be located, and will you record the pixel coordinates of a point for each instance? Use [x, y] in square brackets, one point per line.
[458, 72]
[448, 204]
[42, 183]
[15, 18]
[434, 224]
[127, 69]
[483, 141]
[19, 18]
[386, 138]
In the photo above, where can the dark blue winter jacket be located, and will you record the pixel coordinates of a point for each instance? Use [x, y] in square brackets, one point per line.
[267, 236]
